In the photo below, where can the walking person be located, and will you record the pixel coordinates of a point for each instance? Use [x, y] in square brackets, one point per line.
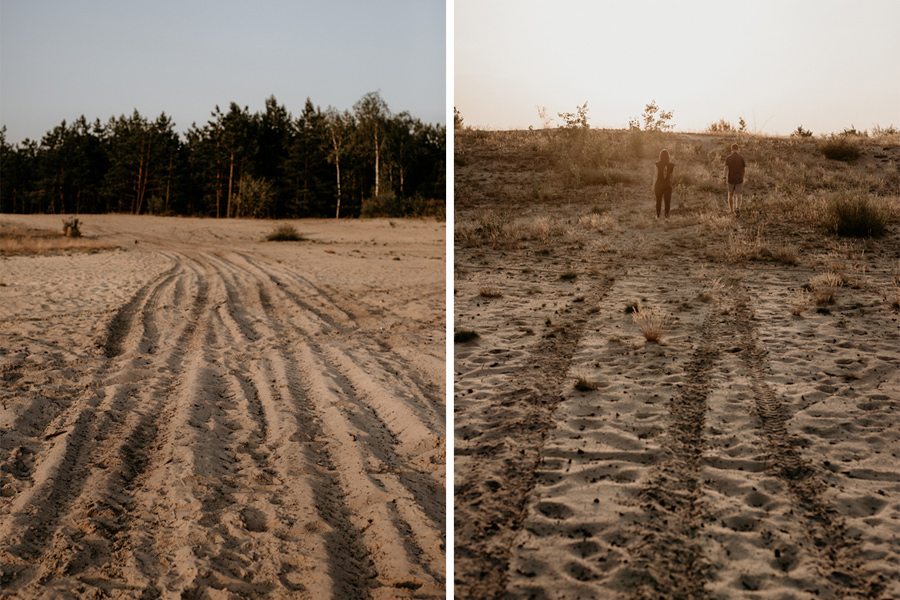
[662, 182]
[734, 178]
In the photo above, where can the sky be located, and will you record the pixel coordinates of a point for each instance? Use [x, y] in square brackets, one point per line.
[825, 65]
[61, 59]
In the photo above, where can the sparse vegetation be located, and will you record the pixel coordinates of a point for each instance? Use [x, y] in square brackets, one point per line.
[824, 288]
[284, 233]
[490, 292]
[18, 240]
[651, 321]
[840, 147]
[853, 213]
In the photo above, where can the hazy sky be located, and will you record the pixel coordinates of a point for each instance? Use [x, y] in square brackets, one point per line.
[60, 59]
[822, 64]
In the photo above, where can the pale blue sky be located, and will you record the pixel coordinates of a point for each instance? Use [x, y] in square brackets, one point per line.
[60, 59]
[822, 64]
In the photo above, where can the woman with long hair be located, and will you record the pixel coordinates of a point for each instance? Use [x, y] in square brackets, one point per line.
[662, 182]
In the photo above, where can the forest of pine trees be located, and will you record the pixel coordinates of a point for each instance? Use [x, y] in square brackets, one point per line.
[364, 162]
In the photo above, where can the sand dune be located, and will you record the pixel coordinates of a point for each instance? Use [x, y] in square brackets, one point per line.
[751, 453]
[203, 415]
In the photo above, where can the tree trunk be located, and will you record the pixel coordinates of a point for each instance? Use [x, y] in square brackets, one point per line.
[230, 179]
[376, 162]
[337, 164]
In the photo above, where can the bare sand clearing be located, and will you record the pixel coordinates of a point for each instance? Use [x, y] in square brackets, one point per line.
[751, 453]
[200, 414]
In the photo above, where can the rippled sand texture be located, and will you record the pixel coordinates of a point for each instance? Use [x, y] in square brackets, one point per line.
[200, 414]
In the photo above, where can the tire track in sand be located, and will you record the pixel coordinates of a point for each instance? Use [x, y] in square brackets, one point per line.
[834, 549]
[233, 448]
[491, 495]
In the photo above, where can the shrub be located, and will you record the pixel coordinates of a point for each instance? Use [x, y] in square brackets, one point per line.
[840, 148]
[71, 227]
[284, 233]
[464, 335]
[854, 214]
[583, 384]
[801, 133]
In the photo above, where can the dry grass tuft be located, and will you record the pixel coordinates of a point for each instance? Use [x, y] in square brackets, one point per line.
[824, 288]
[584, 384]
[652, 322]
[490, 292]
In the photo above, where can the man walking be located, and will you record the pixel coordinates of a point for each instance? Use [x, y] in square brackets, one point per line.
[734, 177]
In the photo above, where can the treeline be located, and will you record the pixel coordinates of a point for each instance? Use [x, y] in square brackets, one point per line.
[364, 162]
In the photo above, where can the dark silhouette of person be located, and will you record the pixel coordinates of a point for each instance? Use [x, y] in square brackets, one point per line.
[734, 177]
[662, 182]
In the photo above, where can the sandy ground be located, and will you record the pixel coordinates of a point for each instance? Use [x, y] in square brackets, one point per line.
[200, 414]
[751, 453]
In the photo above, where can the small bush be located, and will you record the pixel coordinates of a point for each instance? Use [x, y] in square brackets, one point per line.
[71, 227]
[583, 384]
[488, 292]
[853, 214]
[840, 148]
[464, 335]
[284, 233]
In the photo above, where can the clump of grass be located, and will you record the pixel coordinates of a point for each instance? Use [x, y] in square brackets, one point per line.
[840, 148]
[631, 308]
[785, 254]
[568, 275]
[583, 384]
[824, 288]
[799, 302]
[284, 233]
[854, 214]
[489, 292]
[712, 290]
[464, 335]
[652, 322]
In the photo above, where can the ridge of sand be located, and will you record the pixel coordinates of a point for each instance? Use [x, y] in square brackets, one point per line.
[201, 414]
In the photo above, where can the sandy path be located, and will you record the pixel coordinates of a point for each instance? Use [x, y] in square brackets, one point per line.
[233, 419]
[751, 454]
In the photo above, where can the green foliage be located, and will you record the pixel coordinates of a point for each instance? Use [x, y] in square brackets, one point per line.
[390, 204]
[577, 119]
[255, 198]
[723, 126]
[238, 163]
[656, 119]
[853, 214]
[284, 233]
[457, 118]
[840, 148]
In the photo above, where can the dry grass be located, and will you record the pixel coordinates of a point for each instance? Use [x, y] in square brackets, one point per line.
[824, 288]
[651, 321]
[584, 384]
[490, 292]
[16, 240]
